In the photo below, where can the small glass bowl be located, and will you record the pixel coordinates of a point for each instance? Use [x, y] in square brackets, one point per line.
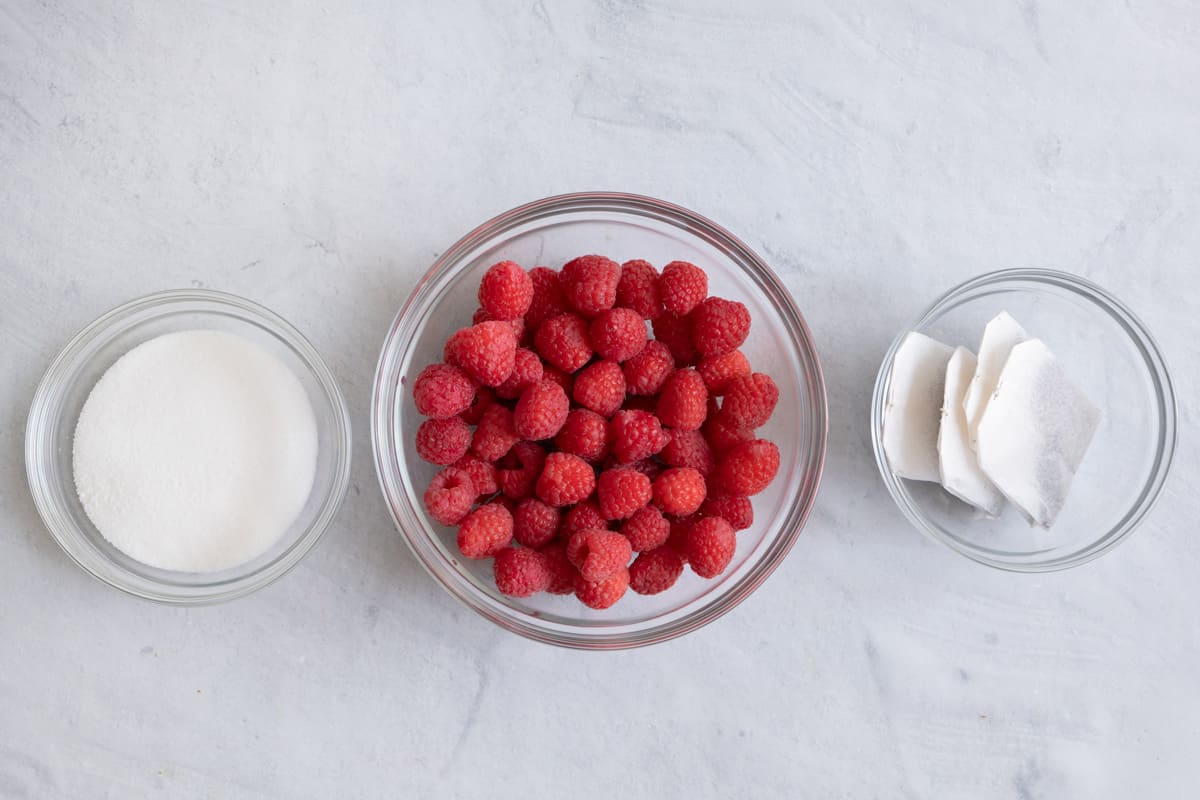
[68, 382]
[1112, 357]
[621, 226]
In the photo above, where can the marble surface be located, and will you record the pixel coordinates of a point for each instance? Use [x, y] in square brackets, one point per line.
[316, 158]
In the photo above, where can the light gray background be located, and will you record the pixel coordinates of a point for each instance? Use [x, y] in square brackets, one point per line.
[316, 158]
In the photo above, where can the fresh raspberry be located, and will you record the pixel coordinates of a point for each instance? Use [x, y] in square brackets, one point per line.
[635, 435]
[748, 468]
[735, 509]
[680, 530]
[618, 334]
[443, 441]
[541, 411]
[724, 434]
[484, 531]
[534, 522]
[520, 573]
[551, 373]
[684, 400]
[563, 342]
[590, 283]
[450, 496]
[718, 371]
[581, 517]
[598, 553]
[676, 334]
[719, 326]
[585, 434]
[442, 390]
[562, 571]
[647, 466]
[494, 435]
[603, 593]
[620, 492]
[527, 370]
[679, 491]
[711, 543]
[505, 291]
[518, 471]
[486, 351]
[548, 298]
[655, 571]
[646, 372]
[484, 397]
[682, 286]
[689, 449]
[638, 288]
[565, 479]
[517, 325]
[483, 475]
[646, 529]
[750, 401]
[600, 387]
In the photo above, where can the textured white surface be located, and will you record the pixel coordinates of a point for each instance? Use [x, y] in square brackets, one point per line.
[316, 159]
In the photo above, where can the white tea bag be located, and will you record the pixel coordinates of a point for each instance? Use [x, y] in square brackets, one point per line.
[1035, 431]
[959, 469]
[914, 403]
[999, 337]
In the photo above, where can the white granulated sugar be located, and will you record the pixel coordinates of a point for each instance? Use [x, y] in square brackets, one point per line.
[195, 451]
[913, 413]
[961, 475]
[1000, 335]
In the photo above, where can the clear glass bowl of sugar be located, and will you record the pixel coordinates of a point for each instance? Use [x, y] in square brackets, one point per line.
[1112, 357]
[70, 379]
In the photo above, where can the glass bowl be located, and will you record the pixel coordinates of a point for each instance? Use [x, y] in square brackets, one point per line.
[1112, 357]
[621, 226]
[69, 380]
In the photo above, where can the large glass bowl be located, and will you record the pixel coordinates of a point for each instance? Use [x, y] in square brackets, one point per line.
[621, 226]
[1113, 358]
[68, 382]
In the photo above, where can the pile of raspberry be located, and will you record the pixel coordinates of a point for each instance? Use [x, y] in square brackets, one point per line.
[597, 428]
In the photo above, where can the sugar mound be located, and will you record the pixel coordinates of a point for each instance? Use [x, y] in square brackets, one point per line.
[912, 416]
[959, 468]
[999, 337]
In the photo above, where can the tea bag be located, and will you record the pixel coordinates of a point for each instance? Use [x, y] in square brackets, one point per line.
[957, 464]
[999, 337]
[913, 412]
[1035, 431]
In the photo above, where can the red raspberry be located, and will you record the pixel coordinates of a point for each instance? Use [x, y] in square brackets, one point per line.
[680, 530]
[520, 572]
[534, 522]
[718, 371]
[689, 449]
[442, 390]
[565, 479]
[517, 325]
[548, 298]
[581, 517]
[562, 571]
[600, 387]
[711, 543]
[484, 531]
[682, 286]
[748, 468]
[684, 400]
[735, 509]
[646, 529]
[483, 475]
[563, 342]
[603, 593]
[679, 491]
[638, 288]
[719, 326]
[505, 291]
[620, 492]
[443, 441]
[676, 334]
[585, 434]
[484, 397]
[494, 436]
[618, 334]
[519, 470]
[541, 411]
[646, 372]
[527, 370]
[647, 466]
[551, 373]
[655, 571]
[750, 401]
[450, 496]
[598, 553]
[635, 435]
[486, 351]
[723, 434]
[590, 283]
